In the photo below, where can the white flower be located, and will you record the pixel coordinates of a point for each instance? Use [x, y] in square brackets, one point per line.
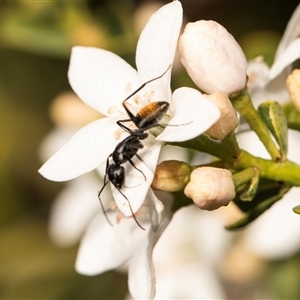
[274, 235]
[269, 83]
[186, 256]
[106, 247]
[212, 57]
[100, 78]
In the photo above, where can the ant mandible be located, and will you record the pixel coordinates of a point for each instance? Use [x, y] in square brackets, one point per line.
[147, 118]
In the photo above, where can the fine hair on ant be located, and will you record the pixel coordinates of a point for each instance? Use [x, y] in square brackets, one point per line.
[147, 117]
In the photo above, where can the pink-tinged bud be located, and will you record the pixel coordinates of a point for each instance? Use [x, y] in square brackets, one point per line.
[228, 121]
[210, 188]
[293, 86]
[213, 58]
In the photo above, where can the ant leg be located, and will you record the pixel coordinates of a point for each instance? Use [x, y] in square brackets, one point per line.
[144, 84]
[123, 126]
[133, 215]
[131, 116]
[102, 206]
[132, 163]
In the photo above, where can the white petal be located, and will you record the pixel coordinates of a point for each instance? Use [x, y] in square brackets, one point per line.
[250, 142]
[141, 279]
[258, 72]
[291, 32]
[141, 276]
[73, 209]
[192, 281]
[106, 247]
[136, 187]
[289, 55]
[276, 89]
[85, 151]
[100, 77]
[54, 140]
[192, 114]
[275, 235]
[193, 256]
[169, 152]
[157, 43]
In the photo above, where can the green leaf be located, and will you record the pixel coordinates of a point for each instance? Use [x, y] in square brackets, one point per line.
[251, 190]
[273, 116]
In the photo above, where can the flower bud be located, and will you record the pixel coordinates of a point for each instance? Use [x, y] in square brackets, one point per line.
[213, 58]
[293, 86]
[68, 110]
[171, 176]
[228, 121]
[210, 188]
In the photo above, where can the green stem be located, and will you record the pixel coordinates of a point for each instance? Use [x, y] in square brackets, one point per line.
[243, 104]
[230, 143]
[204, 143]
[286, 171]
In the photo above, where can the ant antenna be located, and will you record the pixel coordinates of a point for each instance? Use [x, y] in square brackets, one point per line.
[102, 206]
[145, 83]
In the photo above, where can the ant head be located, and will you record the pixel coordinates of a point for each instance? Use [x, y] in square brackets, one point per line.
[116, 175]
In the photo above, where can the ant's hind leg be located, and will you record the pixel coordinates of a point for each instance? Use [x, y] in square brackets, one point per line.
[132, 163]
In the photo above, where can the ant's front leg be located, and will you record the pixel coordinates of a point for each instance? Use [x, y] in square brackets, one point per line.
[123, 126]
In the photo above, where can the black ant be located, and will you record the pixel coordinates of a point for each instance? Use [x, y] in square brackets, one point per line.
[147, 118]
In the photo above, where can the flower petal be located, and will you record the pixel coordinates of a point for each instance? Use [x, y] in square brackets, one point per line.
[106, 247]
[141, 276]
[289, 55]
[192, 115]
[54, 140]
[73, 209]
[136, 187]
[291, 32]
[86, 150]
[258, 73]
[275, 234]
[100, 77]
[194, 254]
[141, 279]
[157, 43]
[250, 142]
[156, 48]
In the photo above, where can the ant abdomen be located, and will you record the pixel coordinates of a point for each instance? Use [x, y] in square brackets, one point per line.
[150, 115]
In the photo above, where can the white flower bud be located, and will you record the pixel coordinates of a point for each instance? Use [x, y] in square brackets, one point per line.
[212, 57]
[228, 121]
[293, 86]
[210, 188]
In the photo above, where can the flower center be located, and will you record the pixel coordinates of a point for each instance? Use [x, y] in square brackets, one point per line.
[135, 104]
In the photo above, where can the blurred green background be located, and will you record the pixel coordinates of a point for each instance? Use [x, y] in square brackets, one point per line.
[35, 42]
